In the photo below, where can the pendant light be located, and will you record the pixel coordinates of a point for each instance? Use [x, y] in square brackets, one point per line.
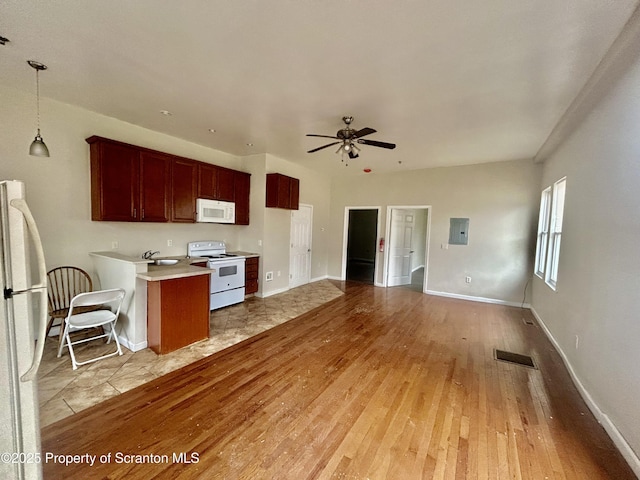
[38, 148]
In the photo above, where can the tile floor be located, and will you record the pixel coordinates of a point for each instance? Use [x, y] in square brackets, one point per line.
[63, 391]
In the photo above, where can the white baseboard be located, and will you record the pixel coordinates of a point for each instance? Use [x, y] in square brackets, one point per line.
[625, 449]
[317, 279]
[274, 292]
[134, 347]
[478, 299]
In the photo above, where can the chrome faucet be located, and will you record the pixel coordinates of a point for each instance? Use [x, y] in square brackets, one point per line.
[148, 254]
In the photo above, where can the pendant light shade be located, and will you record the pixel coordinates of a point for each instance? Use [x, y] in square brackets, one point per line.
[38, 148]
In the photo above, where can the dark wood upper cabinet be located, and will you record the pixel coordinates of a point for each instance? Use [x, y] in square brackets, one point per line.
[155, 178]
[294, 194]
[226, 185]
[216, 183]
[184, 187]
[282, 191]
[128, 185]
[115, 185]
[207, 181]
[242, 189]
[133, 184]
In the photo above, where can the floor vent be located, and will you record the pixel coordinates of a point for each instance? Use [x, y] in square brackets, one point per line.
[524, 360]
[528, 321]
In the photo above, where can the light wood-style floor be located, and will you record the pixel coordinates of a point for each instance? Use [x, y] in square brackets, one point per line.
[377, 384]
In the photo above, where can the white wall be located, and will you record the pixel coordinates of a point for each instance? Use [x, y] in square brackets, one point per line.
[315, 191]
[598, 278]
[501, 200]
[58, 187]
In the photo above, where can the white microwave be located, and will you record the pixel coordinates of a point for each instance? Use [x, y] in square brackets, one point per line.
[215, 211]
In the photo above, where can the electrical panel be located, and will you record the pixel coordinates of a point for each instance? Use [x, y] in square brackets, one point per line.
[458, 231]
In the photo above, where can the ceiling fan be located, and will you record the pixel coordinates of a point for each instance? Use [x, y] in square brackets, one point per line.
[348, 138]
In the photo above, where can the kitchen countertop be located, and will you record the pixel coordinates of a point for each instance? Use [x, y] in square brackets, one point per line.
[245, 254]
[182, 260]
[157, 273]
[183, 268]
[119, 257]
[171, 272]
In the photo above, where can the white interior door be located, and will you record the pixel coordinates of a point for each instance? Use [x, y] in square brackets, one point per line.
[400, 248]
[300, 252]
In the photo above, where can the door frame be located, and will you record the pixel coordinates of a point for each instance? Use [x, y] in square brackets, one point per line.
[345, 241]
[385, 270]
[310, 243]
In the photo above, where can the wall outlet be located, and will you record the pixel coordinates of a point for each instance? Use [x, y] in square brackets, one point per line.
[269, 276]
[279, 273]
[169, 243]
[259, 243]
[577, 341]
[467, 279]
[114, 244]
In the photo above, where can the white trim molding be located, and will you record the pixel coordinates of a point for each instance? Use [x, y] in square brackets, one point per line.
[134, 347]
[478, 299]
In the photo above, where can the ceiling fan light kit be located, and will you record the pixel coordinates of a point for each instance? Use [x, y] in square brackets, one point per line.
[348, 138]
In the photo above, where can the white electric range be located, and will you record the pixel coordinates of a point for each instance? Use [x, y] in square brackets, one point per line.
[227, 277]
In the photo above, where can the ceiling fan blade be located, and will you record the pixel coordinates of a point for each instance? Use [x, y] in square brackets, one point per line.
[364, 131]
[375, 143]
[321, 136]
[324, 146]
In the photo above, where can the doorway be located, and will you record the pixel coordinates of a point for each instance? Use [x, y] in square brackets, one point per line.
[362, 234]
[407, 253]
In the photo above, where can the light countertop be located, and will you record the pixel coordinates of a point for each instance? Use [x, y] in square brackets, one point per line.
[157, 273]
[245, 254]
[172, 272]
[181, 258]
[119, 257]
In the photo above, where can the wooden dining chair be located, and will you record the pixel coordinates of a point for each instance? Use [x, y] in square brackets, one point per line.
[64, 283]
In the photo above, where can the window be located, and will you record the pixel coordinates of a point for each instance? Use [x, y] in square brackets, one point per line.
[550, 232]
[555, 232]
[543, 231]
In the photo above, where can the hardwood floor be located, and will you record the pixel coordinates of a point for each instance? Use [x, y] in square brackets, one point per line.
[377, 384]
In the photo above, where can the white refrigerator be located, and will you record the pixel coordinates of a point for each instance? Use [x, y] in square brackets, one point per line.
[23, 318]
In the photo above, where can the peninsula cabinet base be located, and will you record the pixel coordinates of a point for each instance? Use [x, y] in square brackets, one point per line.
[177, 313]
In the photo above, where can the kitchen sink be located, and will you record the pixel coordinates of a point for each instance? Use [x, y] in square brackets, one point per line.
[165, 261]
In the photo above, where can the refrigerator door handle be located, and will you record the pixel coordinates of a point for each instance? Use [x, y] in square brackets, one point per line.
[41, 287]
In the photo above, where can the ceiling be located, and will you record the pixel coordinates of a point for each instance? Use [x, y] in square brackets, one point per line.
[451, 82]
